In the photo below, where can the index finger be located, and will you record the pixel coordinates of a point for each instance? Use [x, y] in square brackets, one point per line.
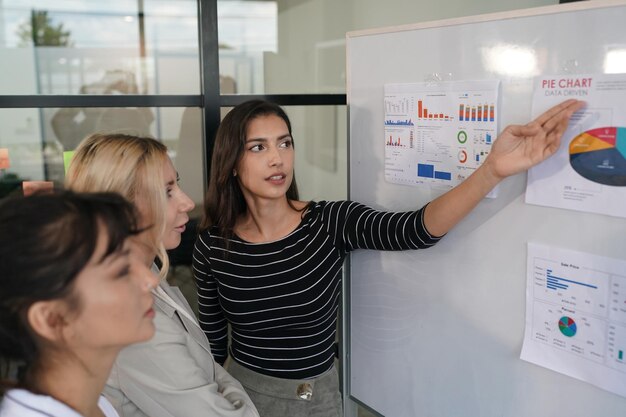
[571, 105]
[562, 118]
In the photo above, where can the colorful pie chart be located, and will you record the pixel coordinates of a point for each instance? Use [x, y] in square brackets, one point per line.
[567, 326]
[599, 155]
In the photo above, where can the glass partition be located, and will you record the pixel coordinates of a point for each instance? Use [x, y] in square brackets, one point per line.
[34, 143]
[87, 47]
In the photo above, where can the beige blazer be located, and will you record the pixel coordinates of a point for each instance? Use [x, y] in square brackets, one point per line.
[174, 374]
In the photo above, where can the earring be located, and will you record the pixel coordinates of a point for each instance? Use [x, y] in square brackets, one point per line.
[234, 172]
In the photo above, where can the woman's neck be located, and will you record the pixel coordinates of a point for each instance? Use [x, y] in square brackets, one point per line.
[147, 253]
[78, 383]
[268, 220]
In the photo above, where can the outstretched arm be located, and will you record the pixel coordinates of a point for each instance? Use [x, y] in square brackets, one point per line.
[517, 149]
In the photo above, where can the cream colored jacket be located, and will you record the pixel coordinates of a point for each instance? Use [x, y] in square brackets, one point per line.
[174, 374]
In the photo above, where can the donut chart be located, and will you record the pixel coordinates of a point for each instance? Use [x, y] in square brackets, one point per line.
[599, 155]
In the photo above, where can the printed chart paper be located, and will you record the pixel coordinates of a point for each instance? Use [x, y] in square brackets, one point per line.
[576, 315]
[438, 133]
[588, 172]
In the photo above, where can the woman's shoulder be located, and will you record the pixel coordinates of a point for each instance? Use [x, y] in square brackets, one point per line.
[207, 238]
[330, 213]
[106, 407]
[323, 205]
[337, 208]
[23, 403]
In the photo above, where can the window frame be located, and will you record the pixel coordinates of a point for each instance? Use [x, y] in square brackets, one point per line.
[210, 99]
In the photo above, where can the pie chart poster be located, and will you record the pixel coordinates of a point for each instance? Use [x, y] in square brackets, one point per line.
[588, 172]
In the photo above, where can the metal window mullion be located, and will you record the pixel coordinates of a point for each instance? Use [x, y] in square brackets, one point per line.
[85, 100]
[231, 100]
[210, 76]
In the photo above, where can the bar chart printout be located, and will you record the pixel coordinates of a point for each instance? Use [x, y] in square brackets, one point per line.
[576, 315]
[438, 133]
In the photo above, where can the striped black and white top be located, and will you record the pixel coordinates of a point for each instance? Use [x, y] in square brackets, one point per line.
[281, 297]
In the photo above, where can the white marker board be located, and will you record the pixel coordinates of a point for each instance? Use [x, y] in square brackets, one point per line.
[439, 332]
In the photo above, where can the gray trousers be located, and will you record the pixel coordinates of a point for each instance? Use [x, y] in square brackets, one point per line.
[277, 397]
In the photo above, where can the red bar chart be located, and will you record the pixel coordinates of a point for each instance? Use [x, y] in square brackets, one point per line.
[423, 113]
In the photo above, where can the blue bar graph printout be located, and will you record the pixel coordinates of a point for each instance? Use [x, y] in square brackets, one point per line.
[554, 282]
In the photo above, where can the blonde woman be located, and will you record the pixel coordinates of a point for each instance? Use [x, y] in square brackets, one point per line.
[174, 373]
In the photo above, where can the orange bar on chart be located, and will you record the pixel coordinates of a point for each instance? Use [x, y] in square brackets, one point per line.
[32, 187]
[419, 109]
[5, 162]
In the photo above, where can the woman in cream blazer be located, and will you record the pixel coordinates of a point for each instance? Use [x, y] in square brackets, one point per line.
[173, 374]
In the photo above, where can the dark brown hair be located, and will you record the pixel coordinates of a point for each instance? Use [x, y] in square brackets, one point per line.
[45, 241]
[224, 201]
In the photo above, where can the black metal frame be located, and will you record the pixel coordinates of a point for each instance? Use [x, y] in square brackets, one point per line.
[86, 100]
[287, 99]
[209, 99]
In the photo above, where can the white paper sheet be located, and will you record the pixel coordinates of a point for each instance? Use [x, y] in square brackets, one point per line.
[588, 172]
[576, 315]
[438, 133]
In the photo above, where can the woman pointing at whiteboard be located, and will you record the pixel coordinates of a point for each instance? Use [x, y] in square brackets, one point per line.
[270, 265]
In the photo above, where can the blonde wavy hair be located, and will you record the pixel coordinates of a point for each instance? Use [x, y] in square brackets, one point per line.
[131, 166]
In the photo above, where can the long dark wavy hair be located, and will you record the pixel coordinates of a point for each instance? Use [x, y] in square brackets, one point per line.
[224, 201]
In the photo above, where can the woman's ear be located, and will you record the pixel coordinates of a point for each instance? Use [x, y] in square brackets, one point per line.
[46, 319]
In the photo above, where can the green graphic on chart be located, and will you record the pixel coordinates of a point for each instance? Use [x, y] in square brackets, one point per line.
[567, 326]
[461, 136]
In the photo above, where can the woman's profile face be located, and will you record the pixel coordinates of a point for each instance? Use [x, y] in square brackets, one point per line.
[265, 169]
[176, 210]
[178, 207]
[114, 299]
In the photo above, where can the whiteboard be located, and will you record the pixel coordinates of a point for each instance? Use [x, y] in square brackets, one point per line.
[439, 332]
